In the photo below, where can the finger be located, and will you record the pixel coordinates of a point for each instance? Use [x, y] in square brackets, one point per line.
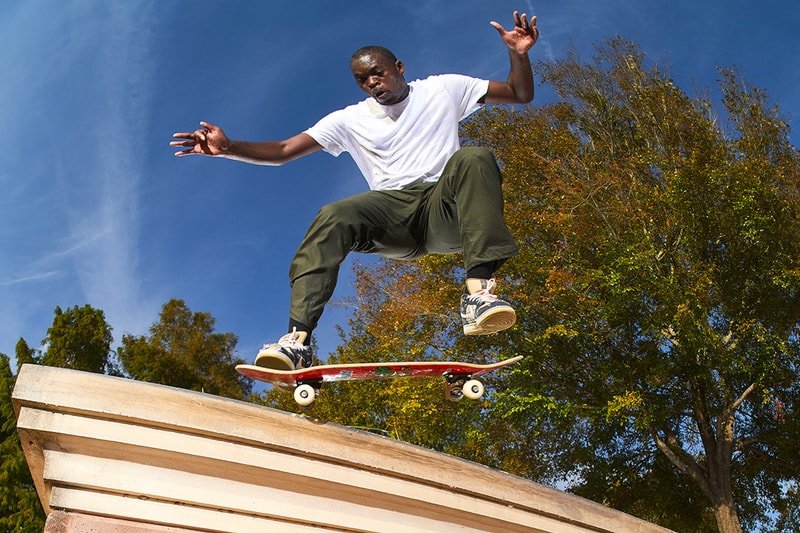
[533, 29]
[498, 27]
[208, 125]
[183, 143]
[183, 135]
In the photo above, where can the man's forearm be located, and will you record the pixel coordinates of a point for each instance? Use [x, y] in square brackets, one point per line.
[271, 152]
[520, 79]
[258, 153]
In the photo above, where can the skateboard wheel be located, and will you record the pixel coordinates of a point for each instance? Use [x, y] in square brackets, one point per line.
[305, 395]
[454, 392]
[473, 389]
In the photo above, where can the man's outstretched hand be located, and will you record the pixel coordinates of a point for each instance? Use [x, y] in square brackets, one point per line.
[523, 36]
[209, 140]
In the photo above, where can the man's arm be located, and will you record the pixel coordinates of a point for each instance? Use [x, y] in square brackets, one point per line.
[211, 140]
[518, 89]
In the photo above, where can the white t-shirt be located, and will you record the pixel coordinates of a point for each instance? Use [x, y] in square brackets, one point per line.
[398, 145]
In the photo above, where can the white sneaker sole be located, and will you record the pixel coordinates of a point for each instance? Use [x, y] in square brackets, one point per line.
[492, 321]
[274, 361]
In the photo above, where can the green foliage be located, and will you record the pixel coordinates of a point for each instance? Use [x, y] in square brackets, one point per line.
[183, 350]
[660, 275]
[80, 338]
[400, 325]
[789, 508]
[20, 509]
[25, 354]
[658, 298]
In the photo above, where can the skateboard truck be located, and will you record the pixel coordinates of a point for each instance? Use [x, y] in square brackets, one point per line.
[462, 385]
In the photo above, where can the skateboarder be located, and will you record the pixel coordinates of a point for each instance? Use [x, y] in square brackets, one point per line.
[427, 195]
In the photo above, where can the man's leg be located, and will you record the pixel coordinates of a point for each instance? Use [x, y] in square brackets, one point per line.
[372, 222]
[465, 210]
[466, 206]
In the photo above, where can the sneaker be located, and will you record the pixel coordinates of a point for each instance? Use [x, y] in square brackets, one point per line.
[289, 353]
[482, 312]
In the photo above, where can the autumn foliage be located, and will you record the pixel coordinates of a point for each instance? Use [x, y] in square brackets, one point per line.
[658, 295]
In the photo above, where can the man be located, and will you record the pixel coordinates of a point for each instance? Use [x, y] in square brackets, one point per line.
[427, 195]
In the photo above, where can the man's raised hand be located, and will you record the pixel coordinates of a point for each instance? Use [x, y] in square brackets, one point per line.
[523, 36]
[209, 140]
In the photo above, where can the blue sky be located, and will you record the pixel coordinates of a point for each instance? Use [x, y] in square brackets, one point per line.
[95, 209]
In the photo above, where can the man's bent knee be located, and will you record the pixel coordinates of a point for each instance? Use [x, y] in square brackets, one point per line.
[474, 153]
[475, 165]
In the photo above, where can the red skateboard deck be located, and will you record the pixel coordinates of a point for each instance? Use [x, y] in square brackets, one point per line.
[307, 382]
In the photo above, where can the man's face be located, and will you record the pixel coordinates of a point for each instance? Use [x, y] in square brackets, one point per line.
[380, 78]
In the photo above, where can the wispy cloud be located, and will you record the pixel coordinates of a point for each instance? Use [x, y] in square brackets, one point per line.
[75, 214]
[39, 276]
[104, 224]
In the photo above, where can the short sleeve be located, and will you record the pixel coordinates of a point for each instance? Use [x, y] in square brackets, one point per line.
[465, 92]
[330, 132]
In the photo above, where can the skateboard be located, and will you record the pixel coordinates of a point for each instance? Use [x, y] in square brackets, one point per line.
[307, 382]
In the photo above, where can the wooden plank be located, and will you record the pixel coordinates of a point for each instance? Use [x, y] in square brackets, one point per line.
[89, 437]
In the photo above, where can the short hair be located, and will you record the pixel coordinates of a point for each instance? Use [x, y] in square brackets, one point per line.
[381, 51]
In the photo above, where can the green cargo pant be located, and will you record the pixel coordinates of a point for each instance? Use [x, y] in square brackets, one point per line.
[463, 211]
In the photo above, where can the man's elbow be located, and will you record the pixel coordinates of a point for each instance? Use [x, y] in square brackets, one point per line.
[522, 97]
[527, 92]
[521, 93]
[526, 98]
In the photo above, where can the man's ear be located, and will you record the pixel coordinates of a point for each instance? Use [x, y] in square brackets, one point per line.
[401, 68]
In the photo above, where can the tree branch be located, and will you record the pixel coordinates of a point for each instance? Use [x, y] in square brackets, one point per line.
[691, 469]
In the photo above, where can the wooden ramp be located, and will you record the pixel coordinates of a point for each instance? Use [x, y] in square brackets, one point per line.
[119, 456]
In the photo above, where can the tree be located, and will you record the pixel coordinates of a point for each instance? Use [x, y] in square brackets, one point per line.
[20, 509]
[25, 354]
[80, 338]
[665, 275]
[184, 351]
[658, 296]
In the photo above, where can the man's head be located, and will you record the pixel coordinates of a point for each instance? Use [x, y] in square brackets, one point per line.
[378, 72]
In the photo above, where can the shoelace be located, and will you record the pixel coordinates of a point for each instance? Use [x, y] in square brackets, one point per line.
[292, 340]
[487, 293]
[484, 295]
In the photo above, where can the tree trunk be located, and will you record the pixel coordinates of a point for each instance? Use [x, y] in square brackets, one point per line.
[721, 496]
[717, 439]
[727, 517]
